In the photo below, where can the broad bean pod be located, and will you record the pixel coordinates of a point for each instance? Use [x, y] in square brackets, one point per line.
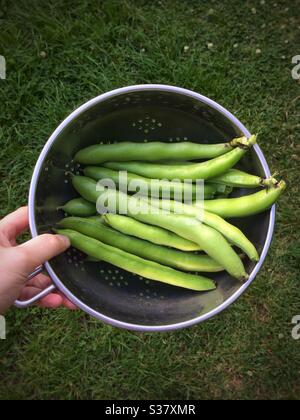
[79, 207]
[185, 261]
[231, 232]
[87, 188]
[204, 170]
[247, 205]
[209, 239]
[129, 262]
[154, 234]
[156, 187]
[152, 151]
[237, 178]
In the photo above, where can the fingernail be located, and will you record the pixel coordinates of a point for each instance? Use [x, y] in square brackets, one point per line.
[66, 240]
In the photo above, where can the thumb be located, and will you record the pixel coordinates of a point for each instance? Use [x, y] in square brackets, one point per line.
[39, 250]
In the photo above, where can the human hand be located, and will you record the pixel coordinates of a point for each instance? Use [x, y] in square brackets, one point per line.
[17, 262]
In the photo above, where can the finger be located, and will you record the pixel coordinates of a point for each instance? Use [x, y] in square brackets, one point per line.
[51, 301]
[67, 303]
[54, 300]
[40, 281]
[29, 292]
[14, 224]
[39, 250]
[35, 286]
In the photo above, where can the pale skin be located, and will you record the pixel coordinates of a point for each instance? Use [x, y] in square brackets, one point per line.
[17, 262]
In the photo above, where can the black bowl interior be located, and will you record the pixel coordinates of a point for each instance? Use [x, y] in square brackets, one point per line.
[137, 116]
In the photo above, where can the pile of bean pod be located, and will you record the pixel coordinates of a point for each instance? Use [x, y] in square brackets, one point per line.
[170, 244]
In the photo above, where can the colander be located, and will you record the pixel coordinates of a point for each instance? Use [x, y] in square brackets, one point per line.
[138, 113]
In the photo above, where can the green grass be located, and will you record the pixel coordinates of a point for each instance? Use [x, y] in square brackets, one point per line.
[246, 352]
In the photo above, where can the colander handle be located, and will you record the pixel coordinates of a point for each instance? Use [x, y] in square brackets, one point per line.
[24, 304]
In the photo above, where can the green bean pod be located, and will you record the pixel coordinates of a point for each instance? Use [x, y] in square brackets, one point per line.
[152, 151]
[154, 234]
[79, 207]
[209, 239]
[205, 170]
[155, 187]
[237, 178]
[126, 261]
[96, 219]
[247, 205]
[231, 232]
[87, 188]
[212, 242]
[163, 255]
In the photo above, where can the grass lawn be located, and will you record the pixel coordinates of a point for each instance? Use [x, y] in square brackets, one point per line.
[60, 54]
